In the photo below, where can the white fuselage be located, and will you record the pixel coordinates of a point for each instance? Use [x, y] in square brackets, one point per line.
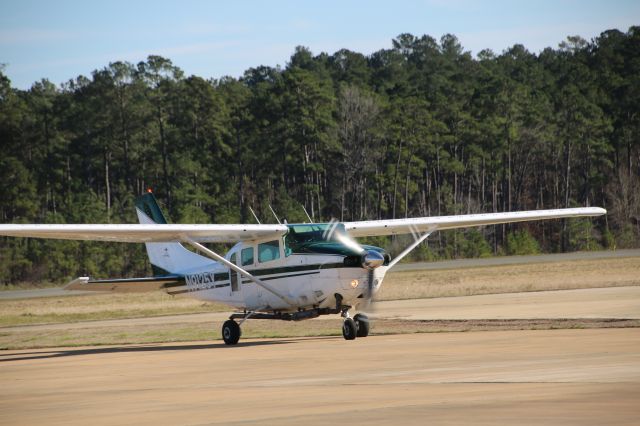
[307, 280]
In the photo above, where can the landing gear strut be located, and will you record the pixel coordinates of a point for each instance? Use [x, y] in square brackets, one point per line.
[358, 326]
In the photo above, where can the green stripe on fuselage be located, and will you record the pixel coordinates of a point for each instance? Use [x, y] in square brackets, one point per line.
[281, 272]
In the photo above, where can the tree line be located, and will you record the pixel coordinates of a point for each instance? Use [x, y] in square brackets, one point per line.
[420, 129]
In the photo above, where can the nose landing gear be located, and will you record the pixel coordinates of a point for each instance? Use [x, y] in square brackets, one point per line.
[362, 325]
[349, 329]
[358, 326]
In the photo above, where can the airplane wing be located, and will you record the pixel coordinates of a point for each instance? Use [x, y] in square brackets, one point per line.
[146, 233]
[423, 225]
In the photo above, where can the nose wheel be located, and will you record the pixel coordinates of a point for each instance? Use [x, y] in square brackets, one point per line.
[349, 329]
[358, 326]
[362, 325]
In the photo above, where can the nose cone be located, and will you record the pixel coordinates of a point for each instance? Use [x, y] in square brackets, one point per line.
[372, 259]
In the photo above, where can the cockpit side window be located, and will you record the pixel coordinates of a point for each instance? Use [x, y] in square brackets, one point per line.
[247, 256]
[268, 251]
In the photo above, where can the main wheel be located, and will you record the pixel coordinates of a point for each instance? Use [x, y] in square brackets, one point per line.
[230, 332]
[349, 329]
[362, 325]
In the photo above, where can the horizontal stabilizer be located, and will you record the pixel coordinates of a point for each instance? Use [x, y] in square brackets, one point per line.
[125, 285]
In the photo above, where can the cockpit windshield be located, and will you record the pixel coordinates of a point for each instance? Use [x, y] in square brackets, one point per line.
[313, 233]
[322, 238]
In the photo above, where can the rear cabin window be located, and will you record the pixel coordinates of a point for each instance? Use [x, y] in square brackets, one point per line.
[268, 251]
[247, 256]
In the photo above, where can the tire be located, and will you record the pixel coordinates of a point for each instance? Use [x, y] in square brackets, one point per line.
[230, 332]
[349, 329]
[362, 325]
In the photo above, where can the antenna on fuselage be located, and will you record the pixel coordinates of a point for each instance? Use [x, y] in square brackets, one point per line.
[274, 214]
[305, 212]
[254, 215]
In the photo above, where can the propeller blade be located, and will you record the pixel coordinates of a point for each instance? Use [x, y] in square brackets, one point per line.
[334, 233]
[370, 259]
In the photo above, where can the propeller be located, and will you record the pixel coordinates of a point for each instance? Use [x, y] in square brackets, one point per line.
[369, 259]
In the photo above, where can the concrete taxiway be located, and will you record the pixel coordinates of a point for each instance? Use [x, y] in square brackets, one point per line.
[576, 377]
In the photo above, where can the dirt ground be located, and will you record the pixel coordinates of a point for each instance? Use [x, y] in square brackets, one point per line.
[568, 377]
[562, 357]
[581, 308]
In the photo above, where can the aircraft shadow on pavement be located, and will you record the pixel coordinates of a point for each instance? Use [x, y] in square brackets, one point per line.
[44, 353]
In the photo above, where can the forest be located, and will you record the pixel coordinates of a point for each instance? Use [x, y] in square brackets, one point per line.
[423, 128]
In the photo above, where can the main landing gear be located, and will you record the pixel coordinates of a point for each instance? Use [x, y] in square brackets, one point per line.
[231, 332]
[358, 326]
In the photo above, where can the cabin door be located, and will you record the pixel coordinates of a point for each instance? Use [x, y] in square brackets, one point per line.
[235, 280]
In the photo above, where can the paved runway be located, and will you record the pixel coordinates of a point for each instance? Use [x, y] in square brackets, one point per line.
[576, 377]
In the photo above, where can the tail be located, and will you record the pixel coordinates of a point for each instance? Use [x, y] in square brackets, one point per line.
[165, 258]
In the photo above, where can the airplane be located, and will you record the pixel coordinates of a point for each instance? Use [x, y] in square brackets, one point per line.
[289, 272]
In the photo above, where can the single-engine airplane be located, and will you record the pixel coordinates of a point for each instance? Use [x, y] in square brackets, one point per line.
[285, 272]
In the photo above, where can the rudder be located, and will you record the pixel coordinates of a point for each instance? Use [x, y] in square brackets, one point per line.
[165, 258]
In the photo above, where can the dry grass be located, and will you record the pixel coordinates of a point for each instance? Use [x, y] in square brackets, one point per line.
[401, 285]
[48, 310]
[511, 279]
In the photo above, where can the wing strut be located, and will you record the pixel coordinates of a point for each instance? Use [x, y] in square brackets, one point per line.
[406, 251]
[238, 269]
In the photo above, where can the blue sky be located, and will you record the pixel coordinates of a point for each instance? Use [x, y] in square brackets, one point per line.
[60, 40]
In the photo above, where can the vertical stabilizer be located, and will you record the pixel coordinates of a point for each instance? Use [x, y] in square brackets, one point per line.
[166, 258]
